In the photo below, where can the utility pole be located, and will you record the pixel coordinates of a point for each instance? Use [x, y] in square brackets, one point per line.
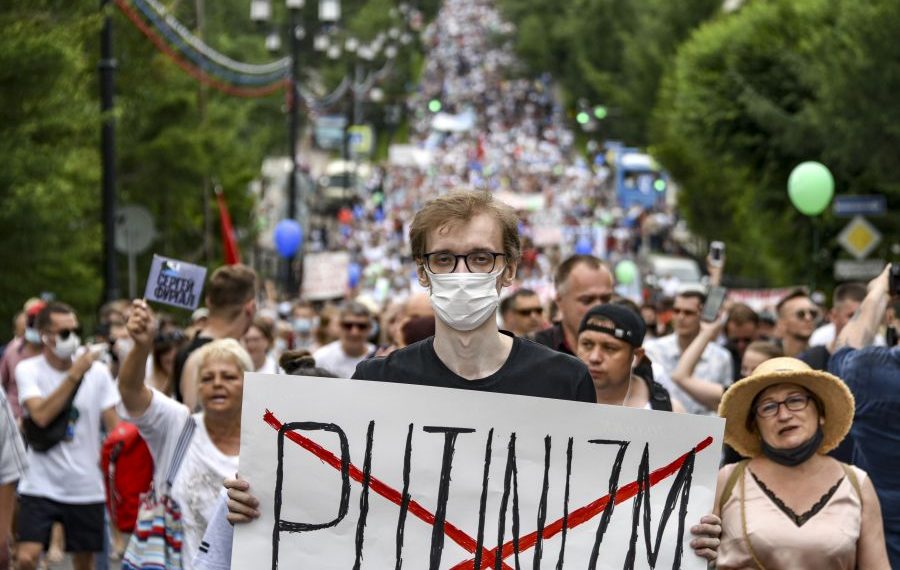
[107, 68]
[200, 9]
[290, 282]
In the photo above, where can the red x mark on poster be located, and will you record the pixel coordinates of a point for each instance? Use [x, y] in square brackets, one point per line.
[575, 518]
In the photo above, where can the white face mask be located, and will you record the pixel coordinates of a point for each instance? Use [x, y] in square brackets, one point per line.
[464, 300]
[122, 347]
[64, 349]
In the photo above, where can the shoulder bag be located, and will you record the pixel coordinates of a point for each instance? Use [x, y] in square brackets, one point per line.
[43, 439]
[158, 533]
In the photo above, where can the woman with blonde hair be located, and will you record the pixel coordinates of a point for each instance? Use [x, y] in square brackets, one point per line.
[201, 448]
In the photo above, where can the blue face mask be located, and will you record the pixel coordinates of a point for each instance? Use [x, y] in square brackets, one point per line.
[303, 326]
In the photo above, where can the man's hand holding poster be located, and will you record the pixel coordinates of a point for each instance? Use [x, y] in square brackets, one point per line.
[357, 474]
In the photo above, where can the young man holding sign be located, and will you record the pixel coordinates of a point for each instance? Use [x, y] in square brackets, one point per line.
[466, 247]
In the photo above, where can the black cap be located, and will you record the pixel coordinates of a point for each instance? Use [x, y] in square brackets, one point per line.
[629, 326]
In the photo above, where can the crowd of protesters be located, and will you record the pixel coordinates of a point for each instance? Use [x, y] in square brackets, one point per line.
[457, 289]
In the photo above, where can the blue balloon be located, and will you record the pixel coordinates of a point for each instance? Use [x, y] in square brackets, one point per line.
[354, 273]
[288, 237]
[584, 247]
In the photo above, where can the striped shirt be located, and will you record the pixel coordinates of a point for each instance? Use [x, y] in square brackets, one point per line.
[12, 449]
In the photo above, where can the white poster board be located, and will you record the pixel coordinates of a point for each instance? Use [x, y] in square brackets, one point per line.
[360, 474]
[325, 275]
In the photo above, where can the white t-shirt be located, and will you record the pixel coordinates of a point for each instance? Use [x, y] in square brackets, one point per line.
[215, 550]
[70, 471]
[332, 358]
[199, 479]
[824, 335]
[269, 366]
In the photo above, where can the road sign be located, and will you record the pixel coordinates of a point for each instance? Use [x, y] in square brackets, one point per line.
[859, 238]
[857, 270]
[135, 229]
[134, 233]
[361, 140]
[329, 132]
[872, 205]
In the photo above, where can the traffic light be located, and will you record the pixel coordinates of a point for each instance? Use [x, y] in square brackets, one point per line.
[434, 106]
[659, 184]
[583, 118]
[600, 112]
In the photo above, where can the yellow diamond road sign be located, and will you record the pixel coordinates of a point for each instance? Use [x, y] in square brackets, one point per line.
[859, 237]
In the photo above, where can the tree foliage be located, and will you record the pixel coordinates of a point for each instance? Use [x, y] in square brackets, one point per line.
[49, 183]
[732, 102]
[175, 139]
[752, 95]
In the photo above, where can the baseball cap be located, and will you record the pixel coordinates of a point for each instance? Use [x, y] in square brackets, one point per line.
[627, 325]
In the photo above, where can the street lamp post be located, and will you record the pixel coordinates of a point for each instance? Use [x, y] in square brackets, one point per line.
[108, 152]
[261, 12]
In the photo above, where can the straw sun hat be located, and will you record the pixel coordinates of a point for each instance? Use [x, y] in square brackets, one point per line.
[834, 396]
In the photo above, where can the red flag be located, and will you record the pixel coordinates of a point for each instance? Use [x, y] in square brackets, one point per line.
[229, 243]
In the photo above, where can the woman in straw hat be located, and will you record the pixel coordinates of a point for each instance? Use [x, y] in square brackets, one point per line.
[790, 505]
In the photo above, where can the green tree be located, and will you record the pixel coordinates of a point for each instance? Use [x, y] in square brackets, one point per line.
[49, 183]
[733, 120]
[752, 95]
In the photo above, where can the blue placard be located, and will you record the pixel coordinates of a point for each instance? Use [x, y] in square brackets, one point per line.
[849, 206]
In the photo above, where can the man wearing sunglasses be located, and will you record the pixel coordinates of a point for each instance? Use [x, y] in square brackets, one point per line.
[715, 363]
[797, 319]
[351, 347]
[64, 483]
[522, 312]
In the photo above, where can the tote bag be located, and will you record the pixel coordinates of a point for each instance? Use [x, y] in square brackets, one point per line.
[158, 534]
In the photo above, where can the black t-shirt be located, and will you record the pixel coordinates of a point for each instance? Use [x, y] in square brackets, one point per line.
[530, 370]
[181, 360]
[553, 337]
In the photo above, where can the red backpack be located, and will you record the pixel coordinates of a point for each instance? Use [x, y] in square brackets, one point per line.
[128, 472]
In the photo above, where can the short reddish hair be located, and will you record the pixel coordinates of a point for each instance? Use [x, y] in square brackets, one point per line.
[462, 206]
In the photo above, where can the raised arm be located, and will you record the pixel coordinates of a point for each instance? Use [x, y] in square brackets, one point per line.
[860, 331]
[705, 392]
[135, 394]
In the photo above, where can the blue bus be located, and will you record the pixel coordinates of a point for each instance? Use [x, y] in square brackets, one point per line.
[638, 179]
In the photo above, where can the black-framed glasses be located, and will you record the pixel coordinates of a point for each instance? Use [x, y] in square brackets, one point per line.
[793, 403]
[349, 325]
[476, 261]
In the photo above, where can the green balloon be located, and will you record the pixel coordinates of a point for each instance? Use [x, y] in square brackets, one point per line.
[810, 188]
[626, 271]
